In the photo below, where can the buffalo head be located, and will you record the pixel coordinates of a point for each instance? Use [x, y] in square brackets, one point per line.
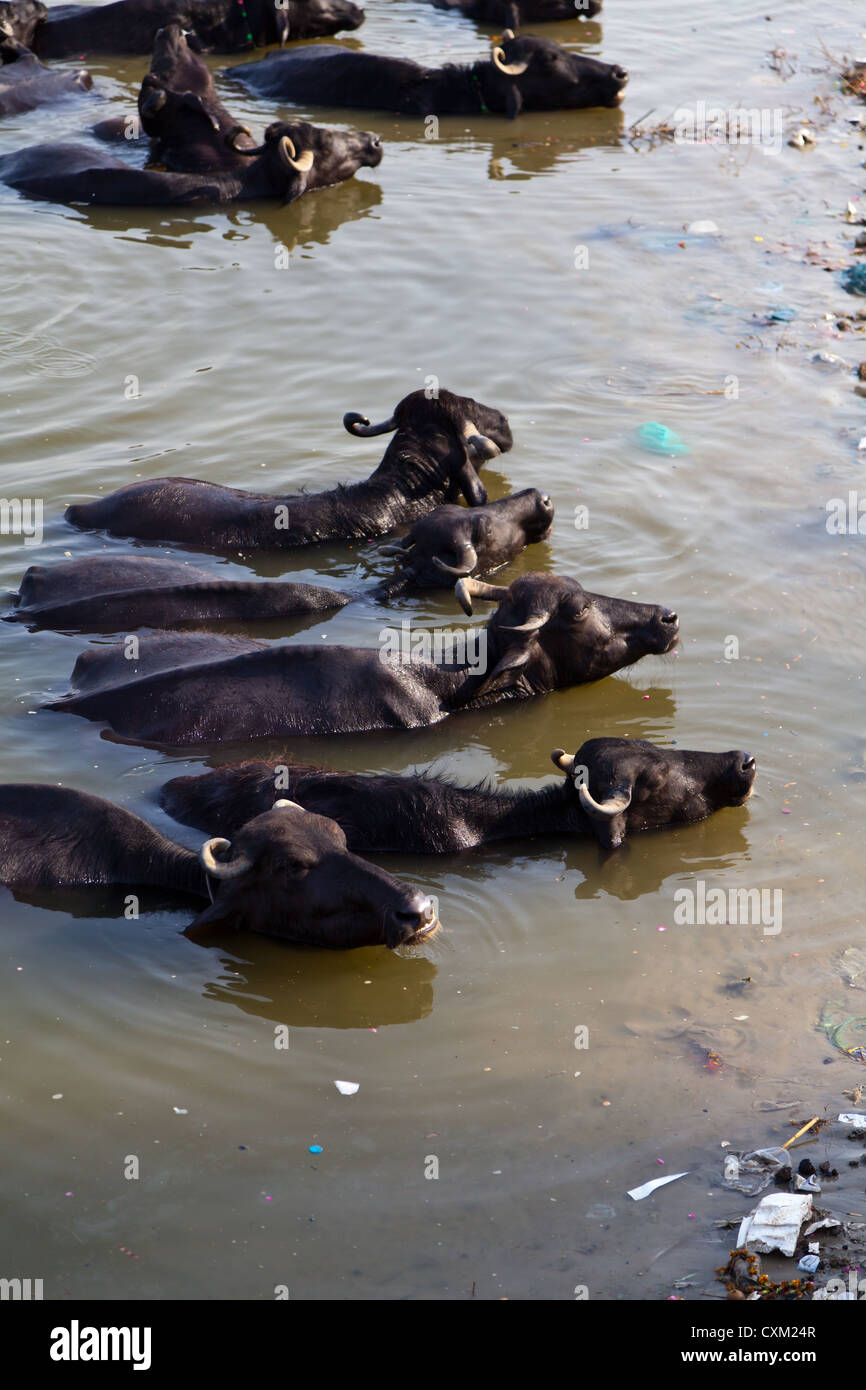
[549, 632]
[453, 542]
[540, 75]
[296, 157]
[626, 785]
[464, 431]
[288, 874]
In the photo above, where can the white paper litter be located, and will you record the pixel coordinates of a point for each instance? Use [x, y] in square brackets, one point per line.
[857, 1122]
[347, 1088]
[829, 1222]
[775, 1223]
[177, 1110]
[639, 1192]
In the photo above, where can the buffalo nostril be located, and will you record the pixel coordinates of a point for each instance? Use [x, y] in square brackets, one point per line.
[748, 762]
[670, 617]
[620, 75]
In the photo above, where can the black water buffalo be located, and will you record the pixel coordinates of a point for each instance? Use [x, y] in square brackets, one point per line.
[294, 158]
[525, 73]
[25, 83]
[112, 593]
[437, 444]
[453, 541]
[287, 873]
[220, 26]
[200, 688]
[613, 787]
[21, 18]
[516, 13]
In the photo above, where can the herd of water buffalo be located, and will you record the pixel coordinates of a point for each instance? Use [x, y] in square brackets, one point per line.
[199, 153]
[284, 846]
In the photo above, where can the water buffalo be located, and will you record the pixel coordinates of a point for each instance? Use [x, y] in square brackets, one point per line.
[21, 18]
[25, 83]
[112, 593]
[613, 787]
[525, 73]
[453, 541]
[516, 13]
[432, 458]
[287, 873]
[220, 26]
[294, 158]
[546, 633]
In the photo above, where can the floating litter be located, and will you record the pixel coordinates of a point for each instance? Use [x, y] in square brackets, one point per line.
[347, 1088]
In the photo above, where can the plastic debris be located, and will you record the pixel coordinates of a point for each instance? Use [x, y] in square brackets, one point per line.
[706, 228]
[810, 1184]
[809, 1263]
[638, 1193]
[829, 1223]
[855, 1120]
[751, 1173]
[178, 1111]
[847, 1035]
[854, 279]
[658, 439]
[347, 1088]
[775, 1223]
[803, 140]
[316, 1149]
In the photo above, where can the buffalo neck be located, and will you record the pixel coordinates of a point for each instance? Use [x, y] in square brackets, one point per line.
[459, 89]
[412, 479]
[518, 815]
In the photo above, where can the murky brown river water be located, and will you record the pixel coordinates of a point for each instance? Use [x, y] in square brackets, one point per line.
[456, 258]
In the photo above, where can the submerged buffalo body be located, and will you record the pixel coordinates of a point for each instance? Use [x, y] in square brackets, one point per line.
[516, 13]
[455, 542]
[287, 873]
[25, 83]
[107, 593]
[426, 815]
[219, 26]
[526, 73]
[547, 633]
[437, 446]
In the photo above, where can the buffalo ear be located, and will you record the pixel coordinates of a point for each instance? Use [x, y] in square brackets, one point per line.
[513, 102]
[506, 670]
[471, 485]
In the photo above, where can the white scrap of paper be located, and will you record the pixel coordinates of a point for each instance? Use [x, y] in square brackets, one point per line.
[347, 1088]
[857, 1122]
[639, 1192]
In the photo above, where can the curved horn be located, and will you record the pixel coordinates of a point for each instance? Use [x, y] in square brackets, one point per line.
[360, 426]
[531, 624]
[564, 761]
[218, 868]
[510, 69]
[231, 140]
[603, 810]
[478, 444]
[467, 589]
[470, 557]
[507, 34]
[284, 801]
[302, 163]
